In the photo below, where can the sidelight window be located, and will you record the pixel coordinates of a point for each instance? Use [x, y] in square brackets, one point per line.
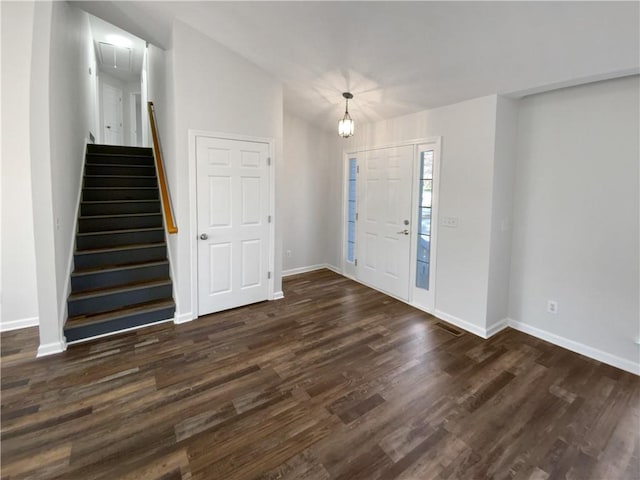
[424, 219]
[351, 211]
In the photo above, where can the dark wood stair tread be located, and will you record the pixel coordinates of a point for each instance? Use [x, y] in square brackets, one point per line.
[103, 292]
[135, 165]
[113, 154]
[115, 268]
[118, 248]
[88, 319]
[118, 176]
[100, 202]
[120, 215]
[120, 188]
[128, 230]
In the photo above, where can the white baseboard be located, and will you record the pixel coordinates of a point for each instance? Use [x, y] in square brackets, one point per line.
[577, 347]
[311, 268]
[458, 322]
[296, 271]
[333, 269]
[51, 348]
[496, 327]
[278, 295]
[183, 318]
[18, 324]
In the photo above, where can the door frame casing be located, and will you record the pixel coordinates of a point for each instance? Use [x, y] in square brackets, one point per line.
[358, 152]
[193, 206]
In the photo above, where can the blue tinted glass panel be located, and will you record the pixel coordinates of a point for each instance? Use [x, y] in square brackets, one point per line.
[422, 275]
[352, 168]
[352, 232]
[424, 247]
[424, 220]
[352, 189]
[351, 211]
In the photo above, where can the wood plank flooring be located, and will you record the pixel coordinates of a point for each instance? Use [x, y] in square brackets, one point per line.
[336, 381]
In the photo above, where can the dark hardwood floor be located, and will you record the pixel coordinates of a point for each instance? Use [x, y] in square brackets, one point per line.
[336, 381]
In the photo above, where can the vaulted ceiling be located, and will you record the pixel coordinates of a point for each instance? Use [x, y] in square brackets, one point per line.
[402, 57]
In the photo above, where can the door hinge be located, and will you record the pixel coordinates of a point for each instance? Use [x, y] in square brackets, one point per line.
[268, 274]
[357, 168]
[269, 161]
[269, 219]
[356, 262]
[356, 216]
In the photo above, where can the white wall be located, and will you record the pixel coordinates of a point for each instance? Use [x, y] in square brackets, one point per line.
[160, 91]
[51, 340]
[144, 98]
[576, 212]
[71, 118]
[304, 214]
[214, 89]
[501, 211]
[61, 115]
[466, 181]
[19, 295]
[158, 84]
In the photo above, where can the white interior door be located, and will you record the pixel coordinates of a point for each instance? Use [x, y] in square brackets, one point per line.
[384, 220]
[233, 223]
[112, 114]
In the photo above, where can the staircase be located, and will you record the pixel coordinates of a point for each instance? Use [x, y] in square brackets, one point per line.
[121, 276]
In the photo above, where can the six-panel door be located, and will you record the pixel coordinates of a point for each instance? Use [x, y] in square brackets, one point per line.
[233, 223]
[384, 225]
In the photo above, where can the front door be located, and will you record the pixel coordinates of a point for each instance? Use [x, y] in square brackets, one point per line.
[233, 223]
[112, 114]
[385, 220]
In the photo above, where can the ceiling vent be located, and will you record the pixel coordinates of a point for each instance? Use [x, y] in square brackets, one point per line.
[114, 56]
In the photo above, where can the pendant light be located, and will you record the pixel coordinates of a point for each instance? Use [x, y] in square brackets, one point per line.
[345, 125]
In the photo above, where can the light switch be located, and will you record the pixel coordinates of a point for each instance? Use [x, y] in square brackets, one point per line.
[451, 222]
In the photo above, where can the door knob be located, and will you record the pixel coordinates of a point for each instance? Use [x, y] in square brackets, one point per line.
[404, 232]
[204, 236]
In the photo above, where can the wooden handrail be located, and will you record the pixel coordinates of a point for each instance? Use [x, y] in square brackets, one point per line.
[162, 181]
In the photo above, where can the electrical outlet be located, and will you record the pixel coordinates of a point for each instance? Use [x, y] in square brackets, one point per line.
[552, 307]
[288, 253]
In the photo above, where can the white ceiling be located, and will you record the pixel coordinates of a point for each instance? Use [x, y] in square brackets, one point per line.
[102, 33]
[402, 57]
